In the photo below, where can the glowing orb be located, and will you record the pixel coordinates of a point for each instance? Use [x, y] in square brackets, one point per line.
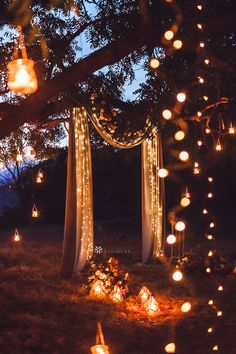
[186, 307]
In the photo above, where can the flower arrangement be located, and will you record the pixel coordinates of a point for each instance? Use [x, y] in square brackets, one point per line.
[109, 275]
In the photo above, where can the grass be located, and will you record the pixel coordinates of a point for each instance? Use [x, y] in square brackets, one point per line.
[42, 313]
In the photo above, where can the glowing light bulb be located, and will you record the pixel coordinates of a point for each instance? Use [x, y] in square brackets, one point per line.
[210, 302]
[210, 179]
[210, 330]
[186, 307]
[218, 146]
[183, 156]
[210, 253]
[169, 35]
[185, 202]
[179, 135]
[202, 44]
[181, 97]
[215, 348]
[177, 44]
[204, 211]
[163, 172]
[208, 270]
[207, 130]
[205, 98]
[180, 226]
[209, 237]
[201, 80]
[167, 114]
[177, 275]
[231, 129]
[199, 26]
[170, 348]
[196, 169]
[210, 195]
[212, 225]
[199, 143]
[199, 114]
[220, 288]
[171, 239]
[206, 61]
[199, 7]
[154, 63]
[219, 313]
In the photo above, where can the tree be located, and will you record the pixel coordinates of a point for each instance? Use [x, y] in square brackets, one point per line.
[120, 35]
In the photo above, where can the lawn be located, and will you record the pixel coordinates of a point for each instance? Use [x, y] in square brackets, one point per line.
[42, 313]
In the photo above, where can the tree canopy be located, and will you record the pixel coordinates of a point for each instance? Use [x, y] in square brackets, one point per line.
[118, 37]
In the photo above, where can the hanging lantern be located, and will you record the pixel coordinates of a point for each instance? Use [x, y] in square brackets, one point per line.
[39, 177]
[97, 289]
[151, 306]
[35, 212]
[19, 157]
[16, 237]
[144, 294]
[21, 73]
[116, 294]
[100, 347]
[231, 128]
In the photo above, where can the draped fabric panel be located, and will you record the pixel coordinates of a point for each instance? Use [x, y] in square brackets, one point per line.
[78, 231]
[152, 199]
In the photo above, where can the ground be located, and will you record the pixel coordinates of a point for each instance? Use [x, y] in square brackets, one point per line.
[42, 313]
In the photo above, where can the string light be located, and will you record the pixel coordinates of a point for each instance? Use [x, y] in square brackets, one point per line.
[163, 172]
[210, 330]
[199, 26]
[177, 275]
[215, 348]
[154, 63]
[177, 44]
[209, 237]
[202, 44]
[206, 61]
[210, 195]
[184, 202]
[199, 143]
[208, 270]
[219, 313]
[205, 98]
[180, 226]
[171, 239]
[204, 211]
[210, 302]
[170, 348]
[183, 156]
[199, 114]
[207, 130]
[169, 35]
[16, 236]
[199, 7]
[218, 146]
[186, 307]
[181, 97]
[179, 135]
[167, 114]
[210, 179]
[201, 80]
[210, 254]
[220, 288]
[196, 169]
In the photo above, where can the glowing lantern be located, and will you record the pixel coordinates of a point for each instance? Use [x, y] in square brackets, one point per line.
[154, 63]
[180, 226]
[116, 294]
[185, 202]
[97, 289]
[218, 146]
[16, 236]
[179, 135]
[144, 294]
[171, 239]
[170, 348]
[183, 156]
[163, 172]
[181, 97]
[186, 307]
[100, 347]
[177, 275]
[177, 44]
[38, 179]
[19, 157]
[167, 114]
[21, 74]
[169, 35]
[35, 212]
[151, 306]
[231, 129]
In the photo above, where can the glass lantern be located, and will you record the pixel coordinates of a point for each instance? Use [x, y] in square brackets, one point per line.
[22, 76]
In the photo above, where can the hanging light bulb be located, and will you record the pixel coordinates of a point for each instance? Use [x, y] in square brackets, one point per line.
[204, 211]
[199, 26]
[167, 114]
[185, 202]
[219, 313]
[171, 239]
[196, 169]
[163, 172]
[170, 348]
[177, 275]
[199, 143]
[206, 61]
[179, 135]
[183, 156]
[186, 307]
[210, 179]
[177, 44]
[231, 128]
[181, 97]
[154, 63]
[218, 146]
[210, 195]
[202, 44]
[180, 226]
[169, 35]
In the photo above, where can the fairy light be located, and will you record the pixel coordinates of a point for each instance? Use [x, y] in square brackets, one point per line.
[205, 98]
[215, 348]
[196, 169]
[210, 302]
[171, 239]
[179, 135]
[207, 130]
[187, 193]
[184, 156]
[199, 26]
[212, 224]
[210, 254]
[154, 63]
[220, 288]
[219, 313]
[208, 270]
[207, 61]
[167, 114]
[180, 226]
[170, 348]
[210, 330]
[177, 275]
[177, 44]
[202, 44]
[199, 114]
[210, 179]
[199, 143]
[181, 97]
[184, 202]
[199, 7]
[186, 307]
[209, 237]
[201, 80]
[168, 35]
[163, 172]
[210, 195]
[204, 211]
